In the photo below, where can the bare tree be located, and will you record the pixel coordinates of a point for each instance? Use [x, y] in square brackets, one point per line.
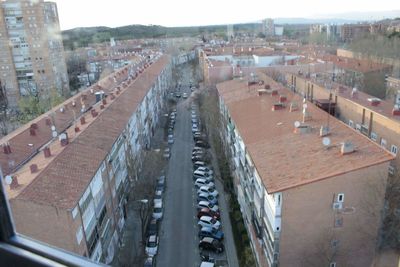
[4, 120]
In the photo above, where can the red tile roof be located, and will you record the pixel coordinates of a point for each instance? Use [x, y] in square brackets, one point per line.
[65, 178]
[285, 159]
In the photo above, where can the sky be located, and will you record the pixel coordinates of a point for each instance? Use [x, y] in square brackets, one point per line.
[86, 13]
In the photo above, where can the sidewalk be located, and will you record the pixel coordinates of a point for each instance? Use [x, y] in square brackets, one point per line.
[131, 251]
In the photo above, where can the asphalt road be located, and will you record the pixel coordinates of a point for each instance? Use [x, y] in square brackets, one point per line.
[178, 234]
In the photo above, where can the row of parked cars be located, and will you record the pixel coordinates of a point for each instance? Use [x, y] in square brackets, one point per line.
[153, 226]
[208, 213]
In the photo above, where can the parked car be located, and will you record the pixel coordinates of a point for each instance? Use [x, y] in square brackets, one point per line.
[194, 128]
[209, 221]
[152, 228]
[170, 139]
[158, 196]
[198, 158]
[207, 231]
[178, 95]
[208, 243]
[170, 130]
[208, 212]
[201, 143]
[161, 179]
[158, 211]
[194, 112]
[150, 262]
[185, 95]
[198, 164]
[197, 148]
[206, 197]
[160, 186]
[206, 204]
[201, 174]
[201, 182]
[167, 153]
[152, 245]
[206, 170]
[208, 190]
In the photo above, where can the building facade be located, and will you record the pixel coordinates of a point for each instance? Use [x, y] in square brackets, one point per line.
[79, 181]
[31, 58]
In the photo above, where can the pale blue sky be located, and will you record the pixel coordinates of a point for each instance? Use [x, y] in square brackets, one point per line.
[82, 13]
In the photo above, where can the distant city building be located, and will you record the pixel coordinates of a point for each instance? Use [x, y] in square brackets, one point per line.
[330, 30]
[278, 30]
[31, 55]
[229, 31]
[349, 32]
[268, 27]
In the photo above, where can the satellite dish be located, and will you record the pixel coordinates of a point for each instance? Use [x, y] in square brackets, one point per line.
[63, 136]
[8, 179]
[326, 141]
[54, 134]
[53, 128]
[297, 124]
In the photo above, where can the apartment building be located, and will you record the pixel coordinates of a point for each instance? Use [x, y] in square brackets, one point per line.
[31, 56]
[306, 200]
[67, 169]
[375, 118]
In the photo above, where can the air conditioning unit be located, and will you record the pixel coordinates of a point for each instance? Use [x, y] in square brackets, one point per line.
[337, 205]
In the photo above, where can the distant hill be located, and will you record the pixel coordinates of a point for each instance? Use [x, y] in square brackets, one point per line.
[80, 37]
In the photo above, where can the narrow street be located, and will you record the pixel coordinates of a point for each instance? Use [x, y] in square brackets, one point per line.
[178, 234]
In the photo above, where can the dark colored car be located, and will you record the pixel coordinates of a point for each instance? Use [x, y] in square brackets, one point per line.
[208, 212]
[208, 243]
[152, 227]
[210, 232]
[201, 143]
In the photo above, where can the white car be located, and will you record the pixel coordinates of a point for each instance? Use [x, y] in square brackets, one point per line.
[152, 245]
[202, 175]
[158, 196]
[158, 210]
[185, 95]
[207, 221]
[206, 170]
[206, 204]
[201, 182]
[208, 190]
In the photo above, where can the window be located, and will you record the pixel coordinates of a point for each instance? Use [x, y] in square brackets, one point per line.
[393, 149]
[374, 136]
[383, 142]
[74, 212]
[340, 197]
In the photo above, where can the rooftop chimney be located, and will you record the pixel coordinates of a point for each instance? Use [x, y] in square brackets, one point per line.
[48, 121]
[293, 107]
[324, 131]
[347, 148]
[34, 126]
[374, 101]
[64, 139]
[47, 152]
[14, 184]
[7, 148]
[83, 120]
[32, 132]
[354, 93]
[34, 168]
